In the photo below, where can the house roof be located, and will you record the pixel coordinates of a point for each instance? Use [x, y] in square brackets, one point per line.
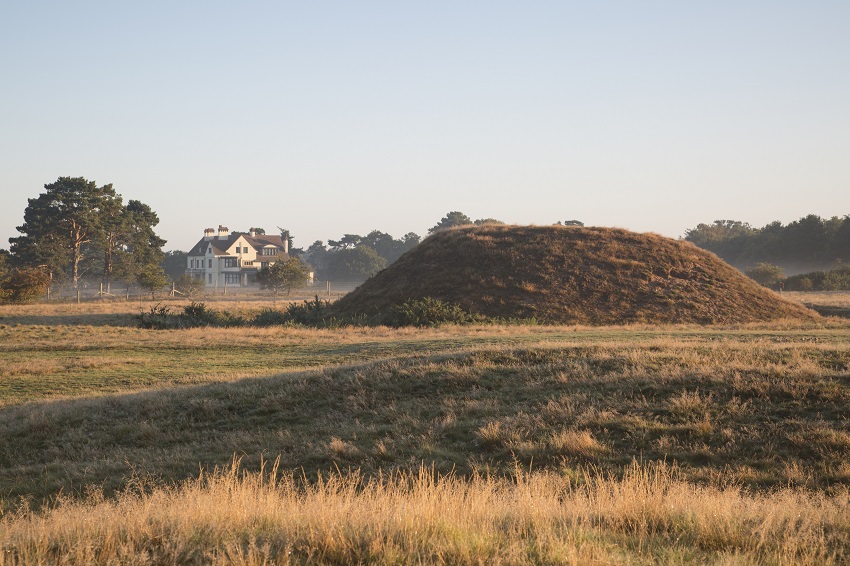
[221, 245]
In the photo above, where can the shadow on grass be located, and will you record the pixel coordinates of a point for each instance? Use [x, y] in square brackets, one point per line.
[829, 310]
[73, 319]
[476, 411]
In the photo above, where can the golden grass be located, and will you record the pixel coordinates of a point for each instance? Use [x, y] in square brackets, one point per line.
[753, 415]
[646, 517]
[824, 298]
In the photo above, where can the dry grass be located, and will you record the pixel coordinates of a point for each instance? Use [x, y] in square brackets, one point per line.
[648, 516]
[120, 312]
[827, 303]
[824, 298]
[742, 431]
[762, 408]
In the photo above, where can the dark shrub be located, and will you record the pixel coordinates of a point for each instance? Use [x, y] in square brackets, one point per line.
[428, 312]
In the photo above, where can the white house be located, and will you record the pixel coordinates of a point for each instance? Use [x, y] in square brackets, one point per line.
[232, 260]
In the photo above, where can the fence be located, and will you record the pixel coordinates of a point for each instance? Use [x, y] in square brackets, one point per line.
[88, 292]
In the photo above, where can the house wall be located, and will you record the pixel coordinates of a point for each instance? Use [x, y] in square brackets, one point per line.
[214, 269]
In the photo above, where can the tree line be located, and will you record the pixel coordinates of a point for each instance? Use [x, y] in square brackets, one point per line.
[808, 244]
[355, 258]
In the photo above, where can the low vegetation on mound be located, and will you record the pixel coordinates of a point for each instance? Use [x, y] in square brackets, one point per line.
[570, 275]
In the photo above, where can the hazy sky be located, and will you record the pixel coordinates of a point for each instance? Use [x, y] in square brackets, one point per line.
[335, 117]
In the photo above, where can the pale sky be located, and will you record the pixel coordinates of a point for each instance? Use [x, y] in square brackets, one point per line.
[342, 117]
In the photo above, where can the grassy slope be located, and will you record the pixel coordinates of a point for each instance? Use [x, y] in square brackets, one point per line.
[758, 407]
[571, 275]
[763, 406]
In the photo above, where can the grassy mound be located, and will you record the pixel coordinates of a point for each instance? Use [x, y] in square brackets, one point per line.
[569, 275]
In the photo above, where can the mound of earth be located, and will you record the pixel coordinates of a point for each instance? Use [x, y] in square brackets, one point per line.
[570, 275]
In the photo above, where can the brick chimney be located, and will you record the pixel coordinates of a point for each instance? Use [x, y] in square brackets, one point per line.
[252, 232]
[223, 232]
[208, 234]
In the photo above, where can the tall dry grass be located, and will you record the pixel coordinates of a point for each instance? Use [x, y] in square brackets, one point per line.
[825, 298]
[647, 516]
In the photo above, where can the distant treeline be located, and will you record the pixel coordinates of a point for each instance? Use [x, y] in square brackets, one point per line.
[809, 244]
[832, 280]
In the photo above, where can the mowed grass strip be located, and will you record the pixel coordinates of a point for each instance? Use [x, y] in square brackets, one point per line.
[760, 414]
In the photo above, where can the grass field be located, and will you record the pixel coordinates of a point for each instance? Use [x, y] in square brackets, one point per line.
[539, 444]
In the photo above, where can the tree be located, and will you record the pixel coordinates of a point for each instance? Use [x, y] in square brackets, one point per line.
[285, 236]
[4, 262]
[108, 237]
[59, 222]
[485, 221]
[808, 244]
[354, 264]
[174, 264]
[23, 285]
[152, 277]
[411, 240]
[766, 274]
[188, 285]
[283, 276]
[76, 226]
[318, 256]
[141, 250]
[347, 241]
[450, 220]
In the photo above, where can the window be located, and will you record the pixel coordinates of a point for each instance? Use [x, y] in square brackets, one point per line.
[210, 277]
[210, 266]
[231, 262]
[269, 251]
[231, 278]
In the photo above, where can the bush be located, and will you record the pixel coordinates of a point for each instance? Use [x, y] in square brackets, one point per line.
[428, 312]
[834, 280]
[271, 317]
[195, 315]
[158, 318]
[311, 313]
[24, 285]
[198, 314]
[188, 285]
[765, 274]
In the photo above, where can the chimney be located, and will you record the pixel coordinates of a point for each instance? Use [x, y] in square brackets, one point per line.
[208, 234]
[252, 232]
[286, 242]
[223, 231]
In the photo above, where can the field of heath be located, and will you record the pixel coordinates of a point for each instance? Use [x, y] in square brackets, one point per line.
[500, 444]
